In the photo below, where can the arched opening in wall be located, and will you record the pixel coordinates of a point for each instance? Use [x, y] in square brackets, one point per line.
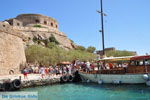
[37, 21]
[18, 24]
[45, 22]
[11, 72]
[52, 24]
[10, 23]
[56, 26]
[4, 25]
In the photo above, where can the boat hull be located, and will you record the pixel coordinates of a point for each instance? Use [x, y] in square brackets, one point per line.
[112, 78]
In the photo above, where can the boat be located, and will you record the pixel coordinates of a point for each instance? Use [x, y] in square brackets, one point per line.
[120, 70]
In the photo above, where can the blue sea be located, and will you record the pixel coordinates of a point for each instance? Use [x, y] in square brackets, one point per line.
[91, 91]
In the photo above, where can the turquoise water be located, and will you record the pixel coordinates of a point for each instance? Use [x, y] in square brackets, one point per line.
[90, 91]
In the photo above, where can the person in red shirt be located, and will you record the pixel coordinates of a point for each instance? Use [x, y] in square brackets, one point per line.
[25, 73]
[110, 66]
[46, 71]
[92, 66]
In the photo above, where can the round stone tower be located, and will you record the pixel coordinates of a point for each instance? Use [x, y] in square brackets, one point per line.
[28, 19]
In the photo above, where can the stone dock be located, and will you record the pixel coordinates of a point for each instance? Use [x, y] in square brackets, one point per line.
[33, 80]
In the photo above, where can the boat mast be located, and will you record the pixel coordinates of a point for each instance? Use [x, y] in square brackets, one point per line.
[102, 26]
[102, 22]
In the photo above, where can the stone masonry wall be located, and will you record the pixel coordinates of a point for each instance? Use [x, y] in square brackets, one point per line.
[12, 53]
[37, 19]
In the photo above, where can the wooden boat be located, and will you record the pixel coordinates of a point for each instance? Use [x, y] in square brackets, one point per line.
[136, 71]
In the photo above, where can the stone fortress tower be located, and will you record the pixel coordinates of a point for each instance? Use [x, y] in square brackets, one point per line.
[26, 24]
[17, 33]
[31, 19]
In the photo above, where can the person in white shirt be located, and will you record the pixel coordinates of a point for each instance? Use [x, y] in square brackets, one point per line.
[42, 72]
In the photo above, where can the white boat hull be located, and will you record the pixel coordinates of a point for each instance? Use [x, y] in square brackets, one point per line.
[112, 78]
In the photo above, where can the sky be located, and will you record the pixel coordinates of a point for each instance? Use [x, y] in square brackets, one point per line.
[127, 24]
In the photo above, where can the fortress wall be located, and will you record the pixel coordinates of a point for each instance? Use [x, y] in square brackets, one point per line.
[12, 53]
[34, 29]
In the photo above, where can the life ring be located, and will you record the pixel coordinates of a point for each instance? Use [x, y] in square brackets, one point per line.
[70, 78]
[11, 72]
[145, 77]
[100, 81]
[148, 83]
[116, 82]
[64, 78]
[87, 81]
[16, 84]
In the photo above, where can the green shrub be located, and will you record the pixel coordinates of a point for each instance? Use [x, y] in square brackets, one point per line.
[35, 39]
[91, 49]
[37, 25]
[81, 48]
[53, 39]
[45, 41]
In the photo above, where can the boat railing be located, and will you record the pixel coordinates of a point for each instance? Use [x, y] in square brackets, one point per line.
[120, 70]
[106, 71]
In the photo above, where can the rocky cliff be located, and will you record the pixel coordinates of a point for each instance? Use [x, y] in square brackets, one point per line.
[44, 33]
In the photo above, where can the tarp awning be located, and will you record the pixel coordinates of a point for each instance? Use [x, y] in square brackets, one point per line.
[111, 59]
[140, 57]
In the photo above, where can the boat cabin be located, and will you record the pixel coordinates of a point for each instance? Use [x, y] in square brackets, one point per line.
[139, 64]
[124, 65]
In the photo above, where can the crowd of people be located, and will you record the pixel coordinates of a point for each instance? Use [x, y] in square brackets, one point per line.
[47, 70]
[62, 69]
[110, 65]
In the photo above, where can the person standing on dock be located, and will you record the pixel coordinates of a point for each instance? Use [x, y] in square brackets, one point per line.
[42, 72]
[25, 73]
[70, 69]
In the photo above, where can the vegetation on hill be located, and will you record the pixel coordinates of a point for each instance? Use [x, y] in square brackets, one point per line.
[91, 49]
[54, 54]
[51, 53]
[81, 48]
[118, 53]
